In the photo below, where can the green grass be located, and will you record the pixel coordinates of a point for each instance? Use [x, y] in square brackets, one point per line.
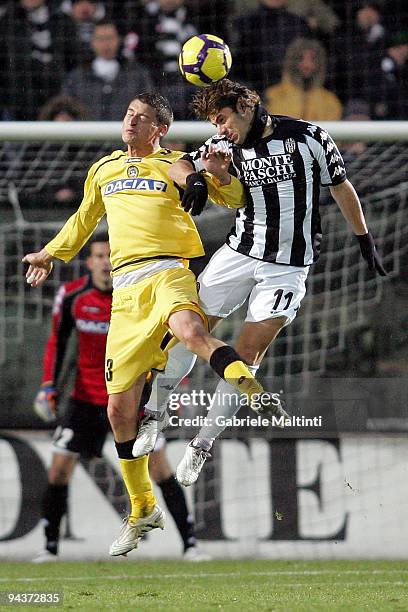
[215, 585]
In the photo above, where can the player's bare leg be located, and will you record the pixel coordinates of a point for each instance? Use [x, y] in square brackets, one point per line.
[253, 342]
[189, 328]
[145, 514]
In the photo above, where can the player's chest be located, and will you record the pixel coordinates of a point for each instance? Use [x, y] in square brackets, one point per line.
[135, 178]
[274, 163]
[92, 313]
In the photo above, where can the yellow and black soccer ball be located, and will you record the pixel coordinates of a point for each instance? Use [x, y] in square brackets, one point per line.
[204, 59]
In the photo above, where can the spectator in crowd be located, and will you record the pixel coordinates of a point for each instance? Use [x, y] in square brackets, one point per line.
[85, 13]
[63, 108]
[160, 31]
[389, 84]
[301, 93]
[261, 40]
[320, 17]
[39, 44]
[108, 82]
[357, 50]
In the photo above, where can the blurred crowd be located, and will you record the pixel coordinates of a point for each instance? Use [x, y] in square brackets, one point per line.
[312, 59]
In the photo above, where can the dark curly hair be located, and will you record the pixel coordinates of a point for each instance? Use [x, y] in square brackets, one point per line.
[208, 101]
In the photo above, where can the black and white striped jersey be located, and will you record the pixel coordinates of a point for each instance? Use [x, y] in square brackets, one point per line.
[282, 175]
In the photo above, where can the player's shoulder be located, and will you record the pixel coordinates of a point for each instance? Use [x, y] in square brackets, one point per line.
[170, 155]
[291, 126]
[76, 286]
[67, 292]
[113, 157]
[166, 156]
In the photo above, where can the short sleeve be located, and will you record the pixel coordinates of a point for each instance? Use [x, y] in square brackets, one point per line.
[328, 156]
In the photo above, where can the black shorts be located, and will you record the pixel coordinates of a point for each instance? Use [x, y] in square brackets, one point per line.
[83, 429]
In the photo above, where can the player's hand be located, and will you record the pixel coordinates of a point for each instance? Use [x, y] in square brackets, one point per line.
[216, 160]
[370, 254]
[195, 194]
[40, 267]
[45, 403]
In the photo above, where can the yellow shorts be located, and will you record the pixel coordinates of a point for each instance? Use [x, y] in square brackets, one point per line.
[139, 324]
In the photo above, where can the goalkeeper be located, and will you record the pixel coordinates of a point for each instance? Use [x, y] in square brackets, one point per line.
[151, 237]
[281, 163]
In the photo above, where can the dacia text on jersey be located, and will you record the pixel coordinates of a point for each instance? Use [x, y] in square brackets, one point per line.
[264, 170]
[139, 184]
[93, 327]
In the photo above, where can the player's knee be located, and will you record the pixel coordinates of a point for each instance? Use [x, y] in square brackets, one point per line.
[193, 335]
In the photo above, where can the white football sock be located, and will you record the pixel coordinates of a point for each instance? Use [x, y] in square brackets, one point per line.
[179, 364]
[226, 404]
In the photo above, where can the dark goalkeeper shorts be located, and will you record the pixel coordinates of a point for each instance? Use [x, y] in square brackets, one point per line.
[82, 431]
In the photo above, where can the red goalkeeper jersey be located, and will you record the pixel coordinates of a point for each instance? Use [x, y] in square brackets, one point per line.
[81, 306]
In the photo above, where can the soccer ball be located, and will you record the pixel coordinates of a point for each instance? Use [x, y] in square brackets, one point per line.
[204, 59]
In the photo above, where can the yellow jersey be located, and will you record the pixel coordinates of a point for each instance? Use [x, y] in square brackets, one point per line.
[143, 210]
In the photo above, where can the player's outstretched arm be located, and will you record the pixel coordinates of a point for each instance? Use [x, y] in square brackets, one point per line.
[40, 266]
[349, 204]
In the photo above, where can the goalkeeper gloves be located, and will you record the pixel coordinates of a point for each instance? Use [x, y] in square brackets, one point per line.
[195, 194]
[370, 254]
[45, 403]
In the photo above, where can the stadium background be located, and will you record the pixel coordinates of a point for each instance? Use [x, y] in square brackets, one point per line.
[345, 356]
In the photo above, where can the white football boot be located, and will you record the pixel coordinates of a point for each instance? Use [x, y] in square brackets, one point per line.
[195, 554]
[44, 556]
[149, 430]
[131, 532]
[189, 468]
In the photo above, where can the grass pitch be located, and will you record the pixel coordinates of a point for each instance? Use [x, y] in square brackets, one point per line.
[133, 585]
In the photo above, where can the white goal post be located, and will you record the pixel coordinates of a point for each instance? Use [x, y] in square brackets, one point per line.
[187, 131]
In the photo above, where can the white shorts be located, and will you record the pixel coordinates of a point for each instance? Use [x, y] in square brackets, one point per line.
[274, 290]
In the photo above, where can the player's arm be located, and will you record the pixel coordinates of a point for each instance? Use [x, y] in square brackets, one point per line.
[349, 203]
[45, 402]
[215, 183]
[223, 188]
[333, 175]
[72, 237]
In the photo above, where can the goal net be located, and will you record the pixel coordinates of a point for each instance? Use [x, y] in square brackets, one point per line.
[318, 495]
[342, 294]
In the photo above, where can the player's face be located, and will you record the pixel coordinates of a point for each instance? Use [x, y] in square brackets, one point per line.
[140, 126]
[98, 263]
[234, 125]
